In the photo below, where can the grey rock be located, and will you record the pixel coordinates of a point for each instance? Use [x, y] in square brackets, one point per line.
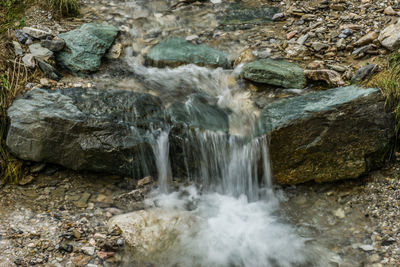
[390, 36]
[96, 130]
[85, 46]
[345, 33]
[274, 72]
[21, 36]
[318, 46]
[302, 39]
[174, 52]
[40, 52]
[362, 49]
[29, 60]
[36, 33]
[364, 72]
[17, 48]
[49, 71]
[341, 133]
[54, 45]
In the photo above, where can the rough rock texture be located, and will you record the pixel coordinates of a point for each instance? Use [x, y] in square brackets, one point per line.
[85, 46]
[198, 113]
[275, 72]
[174, 52]
[331, 77]
[244, 16]
[390, 36]
[109, 133]
[325, 136]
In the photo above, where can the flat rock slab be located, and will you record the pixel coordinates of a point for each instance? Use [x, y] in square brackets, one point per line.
[95, 130]
[275, 72]
[85, 46]
[340, 133]
[174, 52]
[241, 16]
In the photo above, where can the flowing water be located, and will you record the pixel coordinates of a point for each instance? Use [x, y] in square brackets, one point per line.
[230, 214]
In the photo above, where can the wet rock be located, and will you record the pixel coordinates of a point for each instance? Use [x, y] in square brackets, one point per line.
[49, 71]
[274, 72]
[390, 36]
[198, 113]
[40, 52]
[237, 15]
[98, 130]
[36, 33]
[86, 46]
[54, 45]
[152, 229]
[340, 133]
[174, 52]
[364, 72]
[331, 77]
[115, 51]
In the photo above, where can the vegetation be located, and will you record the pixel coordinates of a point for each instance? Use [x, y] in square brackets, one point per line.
[388, 81]
[65, 7]
[11, 14]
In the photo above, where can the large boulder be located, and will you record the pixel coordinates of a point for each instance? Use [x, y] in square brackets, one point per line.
[390, 36]
[174, 52]
[96, 130]
[328, 135]
[85, 46]
[275, 72]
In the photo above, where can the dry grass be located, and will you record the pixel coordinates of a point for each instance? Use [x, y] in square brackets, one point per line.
[13, 77]
[65, 7]
[388, 81]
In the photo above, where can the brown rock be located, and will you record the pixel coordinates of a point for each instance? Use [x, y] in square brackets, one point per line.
[366, 39]
[331, 77]
[245, 56]
[81, 260]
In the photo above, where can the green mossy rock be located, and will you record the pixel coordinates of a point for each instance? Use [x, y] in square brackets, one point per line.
[174, 52]
[85, 46]
[341, 133]
[275, 72]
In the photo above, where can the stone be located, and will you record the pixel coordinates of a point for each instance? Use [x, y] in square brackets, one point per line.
[331, 77]
[339, 213]
[29, 61]
[88, 250]
[54, 45]
[295, 50]
[302, 39]
[103, 255]
[85, 46]
[340, 133]
[275, 72]
[87, 129]
[81, 260]
[345, 33]
[17, 48]
[115, 51]
[390, 36]
[390, 11]
[341, 43]
[364, 72]
[366, 39]
[36, 33]
[362, 49]
[318, 46]
[49, 71]
[152, 229]
[199, 114]
[367, 247]
[21, 36]
[239, 14]
[144, 181]
[40, 52]
[174, 52]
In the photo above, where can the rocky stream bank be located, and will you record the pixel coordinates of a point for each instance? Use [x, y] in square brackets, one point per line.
[108, 98]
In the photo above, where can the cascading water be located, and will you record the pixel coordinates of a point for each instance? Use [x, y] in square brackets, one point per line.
[229, 215]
